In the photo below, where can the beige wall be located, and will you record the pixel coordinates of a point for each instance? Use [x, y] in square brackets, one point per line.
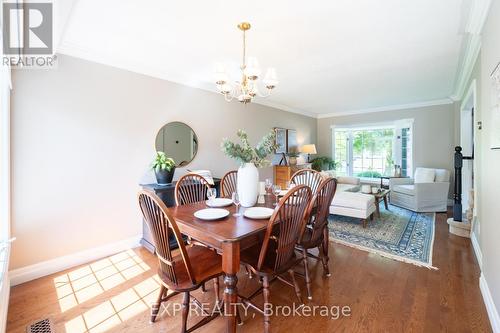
[489, 176]
[82, 138]
[434, 132]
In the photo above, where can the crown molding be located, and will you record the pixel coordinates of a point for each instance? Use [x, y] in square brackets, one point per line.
[472, 46]
[74, 50]
[469, 57]
[388, 108]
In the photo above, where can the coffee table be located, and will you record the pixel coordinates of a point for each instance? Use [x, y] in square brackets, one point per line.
[381, 196]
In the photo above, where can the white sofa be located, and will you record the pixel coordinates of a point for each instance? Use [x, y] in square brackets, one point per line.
[427, 191]
[348, 201]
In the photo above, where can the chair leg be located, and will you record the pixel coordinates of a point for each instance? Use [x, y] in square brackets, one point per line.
[265, 293]
[326, 244]
[296, 286]
[306, 270]
[185, 311]
[324, 259]
[216, 289]
[238, 317]
[156, 306]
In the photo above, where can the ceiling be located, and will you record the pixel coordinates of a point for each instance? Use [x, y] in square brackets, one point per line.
[332, 57]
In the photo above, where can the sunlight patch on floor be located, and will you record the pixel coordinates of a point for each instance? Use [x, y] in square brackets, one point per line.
[118, 309]
[85, 283]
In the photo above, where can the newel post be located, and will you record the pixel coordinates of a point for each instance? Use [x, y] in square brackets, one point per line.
[457, 196]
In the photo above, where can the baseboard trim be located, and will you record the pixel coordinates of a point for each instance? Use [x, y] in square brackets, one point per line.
[490, 305]
[477, 249]
[35, 271]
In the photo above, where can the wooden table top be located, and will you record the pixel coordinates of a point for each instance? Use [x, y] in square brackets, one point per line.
[230, 229]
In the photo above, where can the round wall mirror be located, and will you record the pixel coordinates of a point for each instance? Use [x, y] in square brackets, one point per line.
[178, 141]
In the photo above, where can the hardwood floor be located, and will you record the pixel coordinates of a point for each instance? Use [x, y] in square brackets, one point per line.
[113, 295]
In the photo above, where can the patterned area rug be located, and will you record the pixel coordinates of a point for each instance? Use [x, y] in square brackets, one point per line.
[398, 234]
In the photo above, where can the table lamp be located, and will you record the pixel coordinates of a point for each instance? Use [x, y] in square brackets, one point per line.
[309, 149]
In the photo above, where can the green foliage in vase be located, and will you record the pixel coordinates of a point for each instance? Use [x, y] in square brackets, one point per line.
[245, 153]
[162, 162]
[319, 163]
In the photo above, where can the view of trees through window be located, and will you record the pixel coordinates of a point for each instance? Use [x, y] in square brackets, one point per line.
[371, 150]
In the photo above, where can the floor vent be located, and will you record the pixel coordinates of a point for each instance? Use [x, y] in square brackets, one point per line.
[41, 326]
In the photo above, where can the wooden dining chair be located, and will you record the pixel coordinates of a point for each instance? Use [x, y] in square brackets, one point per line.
[315, 232]
[228, 184]
[309, 177]
[276, 254]
[191, 188]
[176, 272]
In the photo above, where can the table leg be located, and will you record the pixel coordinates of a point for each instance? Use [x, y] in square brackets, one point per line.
[377, 202]
[230, 266]
[385, 202]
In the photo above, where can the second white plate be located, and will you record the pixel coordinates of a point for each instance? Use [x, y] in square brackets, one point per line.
[258, 213]
[211, 214]
[219, 202]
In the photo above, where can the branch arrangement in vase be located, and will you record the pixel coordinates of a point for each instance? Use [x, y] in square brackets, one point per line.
[250, 158]
[245, 153]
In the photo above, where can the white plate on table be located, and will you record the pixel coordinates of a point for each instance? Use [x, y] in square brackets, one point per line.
[219, 202]
[210, 214]
[258, 213]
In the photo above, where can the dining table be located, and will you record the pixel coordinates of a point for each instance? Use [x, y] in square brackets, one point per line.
[228, 236]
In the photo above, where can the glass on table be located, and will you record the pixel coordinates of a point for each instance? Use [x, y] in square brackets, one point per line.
[236, 202]
[211, 194]
[276, 192]
[268, 185]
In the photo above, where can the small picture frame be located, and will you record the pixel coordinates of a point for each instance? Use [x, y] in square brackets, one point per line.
[280, 140]
[291, 141]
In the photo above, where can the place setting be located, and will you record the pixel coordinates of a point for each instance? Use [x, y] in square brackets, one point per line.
[216, 211]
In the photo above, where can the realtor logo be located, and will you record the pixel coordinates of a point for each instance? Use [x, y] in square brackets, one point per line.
[27, 31]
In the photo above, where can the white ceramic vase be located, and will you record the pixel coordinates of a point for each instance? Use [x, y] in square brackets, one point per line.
[248, 184]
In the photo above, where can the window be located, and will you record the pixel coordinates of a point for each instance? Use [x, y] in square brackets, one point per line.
[373, 151]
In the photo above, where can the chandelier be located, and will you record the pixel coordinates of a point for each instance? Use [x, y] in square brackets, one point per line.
[246, 89]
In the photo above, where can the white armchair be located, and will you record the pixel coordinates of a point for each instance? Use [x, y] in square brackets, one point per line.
[426, 192]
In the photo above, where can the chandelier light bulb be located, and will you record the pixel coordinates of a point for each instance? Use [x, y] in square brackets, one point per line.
[225, 88]
[271, 79]
[220, 74]
[252, 70]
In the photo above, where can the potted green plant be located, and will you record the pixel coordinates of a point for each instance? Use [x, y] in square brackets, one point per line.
[250, 158]
[164, 168]
[323, 163]
[292, 157]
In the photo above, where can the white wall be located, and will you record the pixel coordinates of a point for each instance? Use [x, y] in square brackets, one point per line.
[489, 176]
[83, 136]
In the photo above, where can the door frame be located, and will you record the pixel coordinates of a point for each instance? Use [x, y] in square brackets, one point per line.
[470, 98]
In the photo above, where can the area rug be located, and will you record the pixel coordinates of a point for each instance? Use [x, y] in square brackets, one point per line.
[398, 234]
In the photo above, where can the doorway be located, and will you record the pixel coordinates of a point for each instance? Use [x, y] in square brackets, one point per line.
[467, 109]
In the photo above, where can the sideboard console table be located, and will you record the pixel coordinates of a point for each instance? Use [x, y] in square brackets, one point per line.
[167, 194]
